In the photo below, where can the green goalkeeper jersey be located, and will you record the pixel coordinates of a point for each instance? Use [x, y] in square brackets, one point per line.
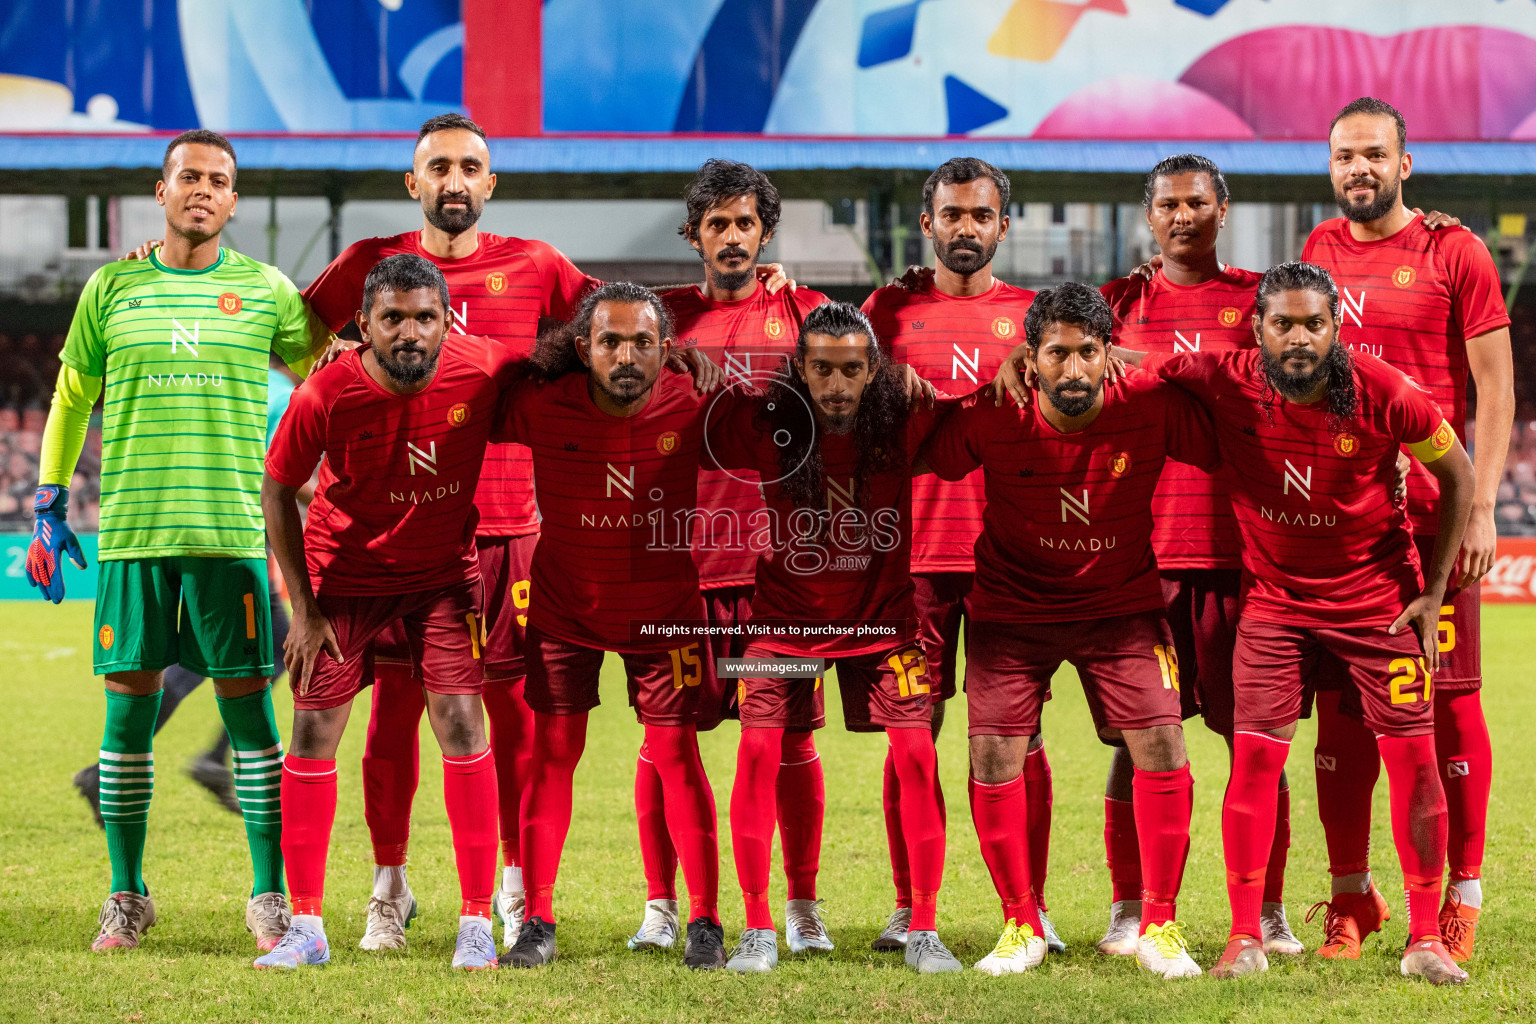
[183, 355]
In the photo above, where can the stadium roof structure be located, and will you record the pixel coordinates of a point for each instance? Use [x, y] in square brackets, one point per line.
[639, 165]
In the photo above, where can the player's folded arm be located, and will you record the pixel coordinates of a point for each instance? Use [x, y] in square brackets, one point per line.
[1190, 432]
[953, 449]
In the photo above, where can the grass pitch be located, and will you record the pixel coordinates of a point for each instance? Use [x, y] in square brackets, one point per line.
[195, 964]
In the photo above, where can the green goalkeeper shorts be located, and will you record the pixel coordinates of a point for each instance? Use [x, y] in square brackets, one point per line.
[209, 615]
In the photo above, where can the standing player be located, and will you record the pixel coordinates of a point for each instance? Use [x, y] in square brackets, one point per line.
[616, 464]
[501, 287]
[1309, 435]
[1191, 303]
[956, 325]
[402, 425]
[733, 210]
[833, 441]
[180, 344]
[1065, 572]
[1429, 303]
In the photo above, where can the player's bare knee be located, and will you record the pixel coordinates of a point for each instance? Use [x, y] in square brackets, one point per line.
[244, 686]
[317, 731]
[997, 759]
[458, 722]
[136, 684]
[1118, 785]
[1158, 749]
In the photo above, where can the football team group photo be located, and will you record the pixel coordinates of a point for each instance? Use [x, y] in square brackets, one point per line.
[776, 585]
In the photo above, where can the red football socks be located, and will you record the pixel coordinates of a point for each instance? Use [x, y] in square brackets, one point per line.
[309, 811]
[1279, 851]
[1162, 805]
[391, 761]
[922, 819]
[1039, 794]
[1347, 768]
[753, 797]
[801, 797]
[558, 741]
[1121, 850]
[690, 804]
[657, 854]
[1418, 826]
[1001, 814]
[469, 791]
[512, 747]
[1465, 755]
[1248, 823]
[890, 800]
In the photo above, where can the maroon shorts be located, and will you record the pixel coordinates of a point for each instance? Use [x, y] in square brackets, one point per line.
[887, 690]
[1127, 663]
[1275, 667]
[724, 607]
[1461, 633]
[504, 572]
[1202, 615]
[442, 635]
[663, 685]
[940, 599]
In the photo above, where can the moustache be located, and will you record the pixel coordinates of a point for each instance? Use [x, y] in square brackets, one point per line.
[733, 252]
[967, 245]
[626, 373]
[453, 197]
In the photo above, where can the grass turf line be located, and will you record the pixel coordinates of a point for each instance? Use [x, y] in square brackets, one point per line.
[195, 964]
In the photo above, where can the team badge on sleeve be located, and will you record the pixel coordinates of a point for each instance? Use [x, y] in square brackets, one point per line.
[1346, 444]
[1229, 316]
[1120, 463]
[229, 303]
[495, 282]
[1004, 327]
[1435, 445]
[458, 415]
[1403, 276]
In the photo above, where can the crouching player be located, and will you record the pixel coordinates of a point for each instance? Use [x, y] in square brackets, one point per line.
[401, 423]
[833, 442]
[1309, 436]
[1065, 573]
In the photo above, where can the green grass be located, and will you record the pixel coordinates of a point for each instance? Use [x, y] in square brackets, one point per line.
[195, 965]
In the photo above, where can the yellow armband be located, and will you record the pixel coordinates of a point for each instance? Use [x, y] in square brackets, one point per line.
[1435, 445]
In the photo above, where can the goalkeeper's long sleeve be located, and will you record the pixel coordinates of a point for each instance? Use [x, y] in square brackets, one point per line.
[68, 421]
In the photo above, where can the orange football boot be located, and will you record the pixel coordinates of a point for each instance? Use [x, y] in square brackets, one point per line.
[1244, 955]
[1458, 926]
[1426, 957]
[1350, 917]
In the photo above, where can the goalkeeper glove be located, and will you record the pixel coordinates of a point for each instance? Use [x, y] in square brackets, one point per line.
[50, 535]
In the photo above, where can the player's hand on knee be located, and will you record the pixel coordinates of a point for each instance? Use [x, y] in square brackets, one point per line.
[50, 536]
[1423, 615]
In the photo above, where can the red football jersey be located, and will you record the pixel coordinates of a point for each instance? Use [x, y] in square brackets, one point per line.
[957, 343]
[394, 512]
[751, 339]
[1414, 299]
[1068, 522]
[619, 497]
[498, 291]
[846, 565]
[1192, 524]
[1324, 544]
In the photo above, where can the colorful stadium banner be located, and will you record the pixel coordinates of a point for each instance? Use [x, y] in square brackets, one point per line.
[1513, 578]
[1040, 69]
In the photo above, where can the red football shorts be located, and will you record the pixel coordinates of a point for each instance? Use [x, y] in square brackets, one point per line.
[1461, 632]
[886, 690]
[663, 685]
[1274, 668]
[442, 635]
[1127, 664]
[940, 599]
[724, 608]
[505, 564]
[1202, 616]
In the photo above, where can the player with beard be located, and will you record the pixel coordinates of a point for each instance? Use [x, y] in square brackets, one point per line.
[616, 445]
[1309, 435]
[1065, 573]
[1429, 303]
[1191, 302]
[832, 440]
[399, 428]
[732, 212]
[956, 323]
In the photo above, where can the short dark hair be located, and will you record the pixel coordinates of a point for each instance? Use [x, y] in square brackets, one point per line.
[447, 122]
[1185, 163]
[719, 181]
[837, 320]
[1297, 276]
[197, 137]
[1376, 108]
[403, 272]
[621, 291]
[961, 170]
[1070, 303]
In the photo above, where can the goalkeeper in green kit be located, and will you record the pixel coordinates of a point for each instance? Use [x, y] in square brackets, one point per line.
[178, 346]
